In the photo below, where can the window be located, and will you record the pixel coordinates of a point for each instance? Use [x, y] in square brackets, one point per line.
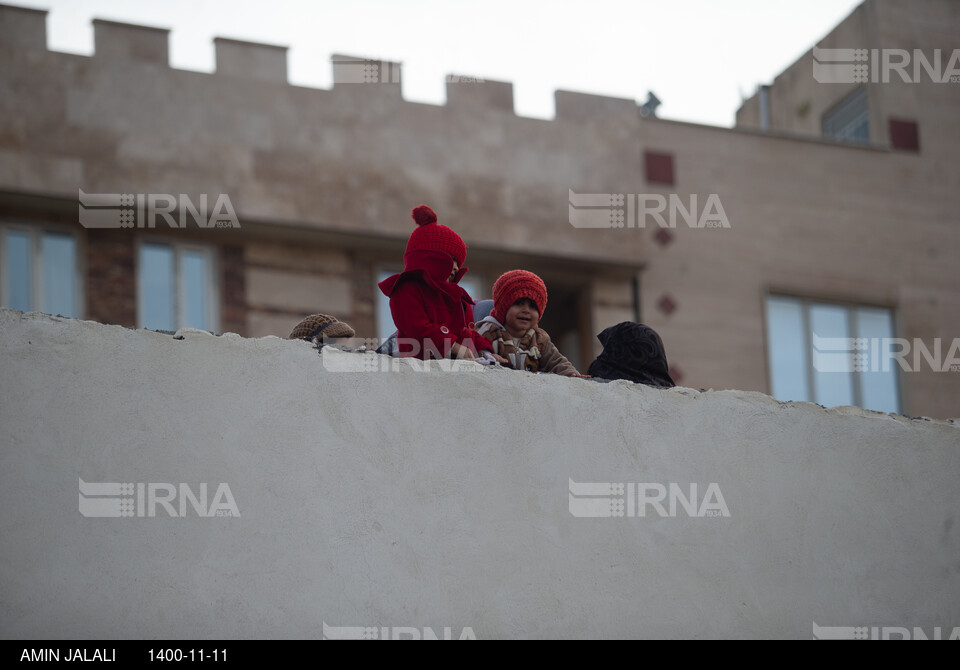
[849, 120]
[385, 326]
[176, 287]
[829, 354]
[38, 271]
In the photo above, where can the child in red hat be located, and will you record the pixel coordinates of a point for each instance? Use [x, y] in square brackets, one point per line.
[519, 298]
[433, 314]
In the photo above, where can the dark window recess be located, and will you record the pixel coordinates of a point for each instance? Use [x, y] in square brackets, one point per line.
[658, 167]
[849, 120]
[904, 135]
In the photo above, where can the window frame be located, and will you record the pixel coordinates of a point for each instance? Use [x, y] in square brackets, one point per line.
[850, 307]
[212, 282]
[842, 105]
[36, 231]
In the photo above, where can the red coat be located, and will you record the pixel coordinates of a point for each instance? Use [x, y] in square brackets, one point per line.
[430, 313]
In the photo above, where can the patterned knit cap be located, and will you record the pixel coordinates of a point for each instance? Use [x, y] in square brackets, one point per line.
[321, 325]
[430, 235]
[514, 285]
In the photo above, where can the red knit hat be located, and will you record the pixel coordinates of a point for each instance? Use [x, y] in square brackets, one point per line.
[432, 236]
[514, 285]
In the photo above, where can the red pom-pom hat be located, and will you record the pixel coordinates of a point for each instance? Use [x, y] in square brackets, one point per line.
[514, 285]
[432, 236]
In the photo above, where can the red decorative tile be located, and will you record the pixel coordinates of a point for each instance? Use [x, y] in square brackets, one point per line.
[658, 167]
[904, 135]
[663, 237]
[666, 304]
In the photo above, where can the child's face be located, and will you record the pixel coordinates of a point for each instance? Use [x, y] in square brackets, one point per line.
[454, 271]
[521, 317]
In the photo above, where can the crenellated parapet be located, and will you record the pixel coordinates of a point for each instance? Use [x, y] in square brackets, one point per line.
[125, 41]
[465, 92]
[238, 58]
[573, 106]
[24, 30]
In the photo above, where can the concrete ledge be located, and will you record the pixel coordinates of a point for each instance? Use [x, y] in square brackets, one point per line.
[423, 497]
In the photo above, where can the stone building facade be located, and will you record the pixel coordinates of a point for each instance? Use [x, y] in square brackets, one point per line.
[322, 182]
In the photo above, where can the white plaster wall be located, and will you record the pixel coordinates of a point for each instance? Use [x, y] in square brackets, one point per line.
[440, 499]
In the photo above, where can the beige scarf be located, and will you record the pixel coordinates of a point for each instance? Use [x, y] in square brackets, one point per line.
[523, 354]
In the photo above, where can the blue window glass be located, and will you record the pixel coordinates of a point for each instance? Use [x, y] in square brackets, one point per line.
[59, 256]
[19, 270]
[156, 287]
[193, 289]
[787, 349]
[832, 386]
[831, 354]
[849, 121]
[176, 289]
[877, 385]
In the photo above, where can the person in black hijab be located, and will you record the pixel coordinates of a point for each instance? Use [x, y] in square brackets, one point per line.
[634, 352]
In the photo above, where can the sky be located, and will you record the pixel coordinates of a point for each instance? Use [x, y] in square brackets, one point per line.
[700, 57]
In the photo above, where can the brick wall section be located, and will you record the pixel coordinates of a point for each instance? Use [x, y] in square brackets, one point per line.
[111, 278]
[233, 295]
[365, 296]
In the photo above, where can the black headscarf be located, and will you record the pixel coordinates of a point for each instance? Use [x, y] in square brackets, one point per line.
[634, 352]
